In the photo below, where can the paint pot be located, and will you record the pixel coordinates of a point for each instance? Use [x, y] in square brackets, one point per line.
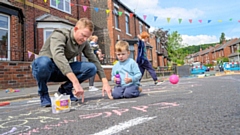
[60, 104]
[174, 79]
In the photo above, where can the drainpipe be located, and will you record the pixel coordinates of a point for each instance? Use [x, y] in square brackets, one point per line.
[24, 32]
[78, 15]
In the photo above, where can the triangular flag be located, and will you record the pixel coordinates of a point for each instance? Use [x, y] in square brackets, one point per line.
[84, 8]
[155, 18]
[200, 21]
[71, 4]
[131, 15]
[107, 11]
[190, 20]
[219, 20]
[45, 1]
[168, 20]
[230, 19]
[239, 21]
[179, 20]
[96, 9]
[209, 21]
[144, 17]
[120, 13]
[57, 1]
[29, 54]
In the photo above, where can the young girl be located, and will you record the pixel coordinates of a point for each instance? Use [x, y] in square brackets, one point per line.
[142, 59]
[95, 47]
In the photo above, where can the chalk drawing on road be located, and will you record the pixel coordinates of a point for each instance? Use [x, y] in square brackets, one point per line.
[100, 105]
[125, 125]
[16, 130]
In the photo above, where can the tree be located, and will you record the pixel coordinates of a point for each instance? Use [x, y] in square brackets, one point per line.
[161, 35]
[222, 38]
[175, 48]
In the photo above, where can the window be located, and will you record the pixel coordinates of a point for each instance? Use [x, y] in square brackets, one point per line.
[4, 37]
[131, 48]
[116, 17]
[63, 5]
[127, 24]
[140, 27]
[47, 33]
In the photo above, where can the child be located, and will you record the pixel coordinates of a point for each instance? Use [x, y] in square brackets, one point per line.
[142, 59]
[95, 47]
[129, 73]
[93, 43]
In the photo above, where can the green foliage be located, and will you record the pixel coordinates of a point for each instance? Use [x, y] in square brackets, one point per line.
[208, 65]
[222, 38]
[222, 59]
[175, 48]
[196, 48]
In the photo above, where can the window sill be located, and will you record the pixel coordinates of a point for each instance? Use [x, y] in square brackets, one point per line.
[128, 34]
[117, 29]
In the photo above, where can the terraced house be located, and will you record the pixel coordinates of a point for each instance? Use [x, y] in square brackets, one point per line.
[26, 24]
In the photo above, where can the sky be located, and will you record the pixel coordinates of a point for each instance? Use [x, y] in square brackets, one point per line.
[218, 11]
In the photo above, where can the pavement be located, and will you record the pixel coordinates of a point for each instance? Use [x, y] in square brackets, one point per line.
[31, 92]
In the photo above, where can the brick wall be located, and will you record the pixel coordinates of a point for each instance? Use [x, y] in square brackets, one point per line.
[19, 75]
[36, 8]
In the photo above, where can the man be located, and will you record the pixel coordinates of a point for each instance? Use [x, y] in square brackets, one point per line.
[53, 64]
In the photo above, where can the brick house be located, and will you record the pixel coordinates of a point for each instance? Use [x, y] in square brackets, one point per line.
[121, 23]
[25, 25]
[210, 55]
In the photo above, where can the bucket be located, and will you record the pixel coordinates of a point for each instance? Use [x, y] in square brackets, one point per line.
[61, 104]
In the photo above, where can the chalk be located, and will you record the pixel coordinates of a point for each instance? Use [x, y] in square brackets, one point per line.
[4, 103]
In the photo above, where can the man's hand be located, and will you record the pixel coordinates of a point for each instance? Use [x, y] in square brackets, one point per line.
[106, 87]
[127, 80]
[78, 91]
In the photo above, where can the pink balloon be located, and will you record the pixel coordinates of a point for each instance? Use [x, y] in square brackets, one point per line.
[174, 79]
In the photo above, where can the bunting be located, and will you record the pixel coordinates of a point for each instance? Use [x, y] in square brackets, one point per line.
[31, 53]
[144, 17]
[155, 18]
[190, 20]
[84, 8]
[107, 11]
[179, 20]
[131, 15]
[119, 13]
[168, 20]
[96, 9]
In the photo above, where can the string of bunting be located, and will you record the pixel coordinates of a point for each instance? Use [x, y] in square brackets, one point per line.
[31, 53]
[131, 14]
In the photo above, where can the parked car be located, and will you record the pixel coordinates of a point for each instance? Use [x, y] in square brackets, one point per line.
[198, 68]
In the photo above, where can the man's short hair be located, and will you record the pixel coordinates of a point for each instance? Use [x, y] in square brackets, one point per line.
[85, 23]
[121, 46]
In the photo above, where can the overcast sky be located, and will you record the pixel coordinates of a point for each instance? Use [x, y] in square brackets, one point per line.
[214, 14]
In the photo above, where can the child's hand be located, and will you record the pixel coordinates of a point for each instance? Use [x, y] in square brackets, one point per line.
[127, 80]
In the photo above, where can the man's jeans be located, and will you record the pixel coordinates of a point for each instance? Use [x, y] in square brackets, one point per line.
[45, 70]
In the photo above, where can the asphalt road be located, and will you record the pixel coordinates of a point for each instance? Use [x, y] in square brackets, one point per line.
[209, 105]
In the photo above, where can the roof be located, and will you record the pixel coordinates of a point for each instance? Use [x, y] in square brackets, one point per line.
[206, 51]
[129, 10]
[236, 42]
[225, 44]
[52, 18]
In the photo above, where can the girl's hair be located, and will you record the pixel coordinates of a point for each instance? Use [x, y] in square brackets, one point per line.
[92, 37]
[85, 23]
[121, 46]
[144, 34]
